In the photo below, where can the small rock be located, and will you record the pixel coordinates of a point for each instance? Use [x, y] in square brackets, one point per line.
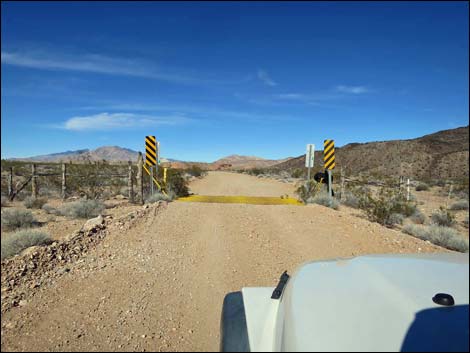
[22, 303]
[93, 223]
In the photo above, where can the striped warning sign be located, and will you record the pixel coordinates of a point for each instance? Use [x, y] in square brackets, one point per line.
[150, 150]
[329, 154]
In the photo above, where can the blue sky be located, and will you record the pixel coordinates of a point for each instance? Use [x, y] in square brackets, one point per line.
[213, 79]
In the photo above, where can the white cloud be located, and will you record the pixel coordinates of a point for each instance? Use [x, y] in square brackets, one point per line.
[106, 121]
[101, 64]
[352, 89]
[263, 76]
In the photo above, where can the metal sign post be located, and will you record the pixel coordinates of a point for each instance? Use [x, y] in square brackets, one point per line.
[151, 181]
[310, 158]
[329, 161]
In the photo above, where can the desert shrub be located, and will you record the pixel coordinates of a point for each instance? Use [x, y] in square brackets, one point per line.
[351, 200]
[443, 218]
[465, 222]
[325, 200]
[49, 209]
[255, 171]
[160, 197]
[418, 217]
[395, 218]
[4, 201]
[195, 171]
[297, 173]
[82, 209]
[380, 208]
[23, 239]
[15, 218]
[422, 187]
[176, 183]
[443, 236]
[34, 202]
[459, 205]
[307, 191]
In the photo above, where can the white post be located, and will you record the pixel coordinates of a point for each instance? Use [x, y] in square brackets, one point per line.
[450, 194]
[408, 189]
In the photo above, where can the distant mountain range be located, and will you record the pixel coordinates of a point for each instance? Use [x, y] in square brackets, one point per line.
[444, 154]
[118, 154]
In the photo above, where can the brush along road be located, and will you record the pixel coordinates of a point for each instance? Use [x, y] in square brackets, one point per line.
[160, 284]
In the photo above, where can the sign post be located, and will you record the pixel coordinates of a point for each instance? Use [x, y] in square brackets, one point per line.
[329, 161]
[151, 156]
[309, 158]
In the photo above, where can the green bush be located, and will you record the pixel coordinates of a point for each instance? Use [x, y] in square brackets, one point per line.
[325, 200]
[422, 187]
[459, 205]
[418, 217]
[23, 239]
[443, 236]
[34, 202]
[82, 209]
[15, 218]
[307, 191]
[443, 218]
[176, 183]
[380, 208]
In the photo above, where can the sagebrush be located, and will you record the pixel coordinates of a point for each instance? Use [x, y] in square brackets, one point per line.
[15, 243]
[16, 218]
[443, 236]
[82, 209]
[34, 202]
[459, 205]
[324, 199]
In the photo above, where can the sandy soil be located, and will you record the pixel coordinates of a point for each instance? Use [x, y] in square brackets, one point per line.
[160, 285]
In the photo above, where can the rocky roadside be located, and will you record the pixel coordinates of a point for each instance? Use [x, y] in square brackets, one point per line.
[39, 266]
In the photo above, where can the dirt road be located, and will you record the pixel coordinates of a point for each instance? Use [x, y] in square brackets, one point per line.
[160, 285]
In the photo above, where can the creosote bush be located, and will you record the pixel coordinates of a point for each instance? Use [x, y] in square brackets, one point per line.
[82, 209]
[34, 202]
[422, 187]
[459, 205]
[307, 191]
[14, 218]
[15, 243]
[387, 202]
[443, 218]
[443, 236]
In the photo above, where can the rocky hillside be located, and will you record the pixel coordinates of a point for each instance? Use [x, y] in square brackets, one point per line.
[108, 153]
[444, 154]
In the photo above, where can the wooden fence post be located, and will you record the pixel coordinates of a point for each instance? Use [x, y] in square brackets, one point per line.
[10, 182]
[34, 185]
[129, 184]
[140, 184]
[64, 182]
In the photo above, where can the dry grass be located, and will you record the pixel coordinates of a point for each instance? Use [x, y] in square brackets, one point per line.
[443, 236]
[15, 218]
[23, 239]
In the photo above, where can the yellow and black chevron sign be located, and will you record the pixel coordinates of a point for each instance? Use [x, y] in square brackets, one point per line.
[329, 154]
[150, 150]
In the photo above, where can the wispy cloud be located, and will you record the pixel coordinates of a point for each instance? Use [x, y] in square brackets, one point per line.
[266, 79]
[352, 89]
[114, 121]
[96, 63]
